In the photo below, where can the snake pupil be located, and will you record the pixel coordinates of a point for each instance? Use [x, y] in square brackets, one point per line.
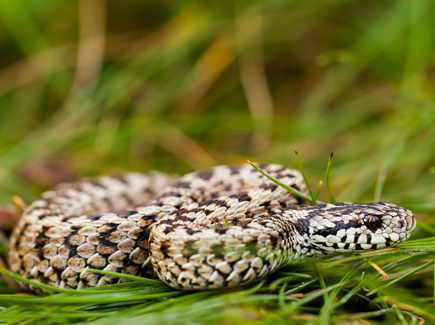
[372, 222]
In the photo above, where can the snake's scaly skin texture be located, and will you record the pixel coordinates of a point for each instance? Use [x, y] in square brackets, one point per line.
[173, 233]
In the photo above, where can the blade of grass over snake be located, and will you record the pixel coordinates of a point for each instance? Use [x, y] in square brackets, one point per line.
[127, 277]
[301, 168]
[289, 189]
[227, 224]
[32, 283]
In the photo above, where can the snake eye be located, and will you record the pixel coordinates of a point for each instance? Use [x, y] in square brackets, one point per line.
[372, 222]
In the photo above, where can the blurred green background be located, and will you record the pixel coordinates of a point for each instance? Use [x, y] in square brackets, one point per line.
[91, 87]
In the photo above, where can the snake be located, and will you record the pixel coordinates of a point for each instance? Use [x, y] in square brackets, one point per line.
[222, 227]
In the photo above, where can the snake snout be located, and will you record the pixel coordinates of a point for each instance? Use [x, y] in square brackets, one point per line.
[399, 223]
[410, 222]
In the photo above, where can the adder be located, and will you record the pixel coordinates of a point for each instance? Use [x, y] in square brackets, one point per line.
[153, 224]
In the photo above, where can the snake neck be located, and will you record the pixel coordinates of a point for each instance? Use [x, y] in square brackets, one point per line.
[286, 235]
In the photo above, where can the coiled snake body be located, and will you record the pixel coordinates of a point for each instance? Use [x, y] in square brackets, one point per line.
[173, 233]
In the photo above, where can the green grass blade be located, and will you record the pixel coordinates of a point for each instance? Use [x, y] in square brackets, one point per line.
[301, 168]
[401, 318]
[388, 164]
[288, 188]
[32, 283]
[321, 280]
[302, 286]
[402, 277]
[295, 305]
[127, 277]
[227, 224]
[316, 194]
[331, 196]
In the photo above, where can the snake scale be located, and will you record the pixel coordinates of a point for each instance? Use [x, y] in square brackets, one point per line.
[173, 232]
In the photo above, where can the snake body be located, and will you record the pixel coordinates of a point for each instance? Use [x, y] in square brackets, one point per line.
[179, 231]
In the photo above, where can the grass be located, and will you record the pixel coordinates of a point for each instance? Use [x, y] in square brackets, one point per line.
[179, 87]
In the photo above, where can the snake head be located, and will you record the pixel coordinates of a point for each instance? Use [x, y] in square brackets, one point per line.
[346, 227]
